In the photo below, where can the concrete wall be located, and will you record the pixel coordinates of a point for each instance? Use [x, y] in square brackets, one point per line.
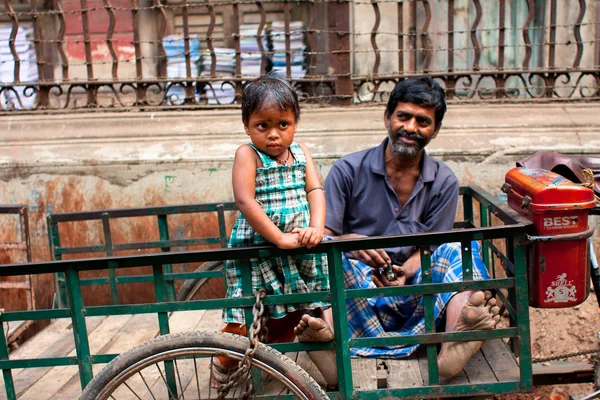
[80, 162]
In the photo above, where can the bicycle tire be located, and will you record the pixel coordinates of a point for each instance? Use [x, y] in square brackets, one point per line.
[187, 344]
[191, 287]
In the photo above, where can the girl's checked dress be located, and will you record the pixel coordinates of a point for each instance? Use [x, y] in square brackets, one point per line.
[280, 192]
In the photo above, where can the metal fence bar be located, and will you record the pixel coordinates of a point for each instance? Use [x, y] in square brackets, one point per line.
[526, 39]
[374, 36]
[109, 40]
[425, 35]
[476, 48]
[577, 32]
[401, 36]
[288, 54]
[11, 40]
[62, 26]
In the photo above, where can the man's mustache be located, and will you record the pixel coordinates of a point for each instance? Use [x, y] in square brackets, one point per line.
[411, 136]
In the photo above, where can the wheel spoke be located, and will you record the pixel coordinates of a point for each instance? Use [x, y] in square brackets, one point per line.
[165, 381]
[182, 397]
[132, 391]
[197, 380]
[147, 386]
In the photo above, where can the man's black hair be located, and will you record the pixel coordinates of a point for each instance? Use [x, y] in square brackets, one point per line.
[269, 91]
[422, 91]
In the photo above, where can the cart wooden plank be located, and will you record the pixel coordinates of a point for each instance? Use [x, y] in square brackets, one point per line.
[501, 360]
[404, 373]
[49, 387]
[61, 347]
[478, 370]
[364, 373]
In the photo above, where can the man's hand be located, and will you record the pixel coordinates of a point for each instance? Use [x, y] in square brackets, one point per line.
[380, 280]
[376, 258]
[309, 236]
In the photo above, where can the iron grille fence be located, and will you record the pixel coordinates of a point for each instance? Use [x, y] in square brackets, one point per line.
[122, 54]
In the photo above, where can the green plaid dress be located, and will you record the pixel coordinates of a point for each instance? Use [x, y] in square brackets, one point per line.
[280, 191]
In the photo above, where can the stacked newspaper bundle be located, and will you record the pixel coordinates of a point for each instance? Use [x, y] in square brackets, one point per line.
[174, 46]
[28, 66]
[297, 48]
[219, 93]
[251, 55]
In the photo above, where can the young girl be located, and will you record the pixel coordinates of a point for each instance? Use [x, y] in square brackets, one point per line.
[279, 194]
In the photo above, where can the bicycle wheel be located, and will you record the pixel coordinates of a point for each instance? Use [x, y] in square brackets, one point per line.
[203, 288]
[188, 357]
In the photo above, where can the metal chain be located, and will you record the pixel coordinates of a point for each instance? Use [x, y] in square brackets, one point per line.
[258, 331]
[563, 356]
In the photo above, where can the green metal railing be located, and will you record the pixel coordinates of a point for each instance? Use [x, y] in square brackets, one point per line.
[512, 233]
[165, 243]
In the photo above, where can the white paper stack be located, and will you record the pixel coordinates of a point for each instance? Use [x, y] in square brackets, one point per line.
[297, 48]
[223, 93]
[28, 66]
[251, 55]
[174, 46]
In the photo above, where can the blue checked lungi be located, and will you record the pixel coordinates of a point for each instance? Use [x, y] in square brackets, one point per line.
[402, 315]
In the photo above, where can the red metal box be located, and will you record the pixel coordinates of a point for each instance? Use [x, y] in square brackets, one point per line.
[558, 255]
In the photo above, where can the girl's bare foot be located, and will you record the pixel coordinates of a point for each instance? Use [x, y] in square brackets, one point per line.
[479, 313]
[311, 329]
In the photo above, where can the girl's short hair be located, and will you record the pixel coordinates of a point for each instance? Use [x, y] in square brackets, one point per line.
[269, 91]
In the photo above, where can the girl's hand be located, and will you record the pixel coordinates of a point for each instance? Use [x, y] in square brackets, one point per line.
[288, 241]
[309, 236]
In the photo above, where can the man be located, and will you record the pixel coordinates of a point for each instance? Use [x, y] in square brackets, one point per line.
[396, 188]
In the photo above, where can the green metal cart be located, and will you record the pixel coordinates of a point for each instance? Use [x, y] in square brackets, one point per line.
[180, 364]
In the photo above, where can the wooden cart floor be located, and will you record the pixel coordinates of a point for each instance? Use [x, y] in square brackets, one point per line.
[116, 334]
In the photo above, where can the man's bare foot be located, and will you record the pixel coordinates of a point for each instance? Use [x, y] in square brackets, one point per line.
[479, 313]
[311, 329]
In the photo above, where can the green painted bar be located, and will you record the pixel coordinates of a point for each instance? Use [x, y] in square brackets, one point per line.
[103, 358]
[39, 362]
[484, 221]
[428, 338]
[35, 315]
[252, 252]
[139, 245]
[522, 305]
[82, 346]
[507, 265]
[430, 288]
[163, 325]
[59, 276]
[438, 391]
[506, 303]
[340, 325]
[9, 384]
[307, 346]
[143, 211]
[163, 232]
[222, 228]
[467, 260]
[468, 207]
[427, 274]
[150, 278]
[112, 274]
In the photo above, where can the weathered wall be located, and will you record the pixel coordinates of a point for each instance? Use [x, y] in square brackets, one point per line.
[89, 162]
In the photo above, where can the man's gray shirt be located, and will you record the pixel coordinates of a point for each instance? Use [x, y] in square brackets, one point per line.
[361, 200]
